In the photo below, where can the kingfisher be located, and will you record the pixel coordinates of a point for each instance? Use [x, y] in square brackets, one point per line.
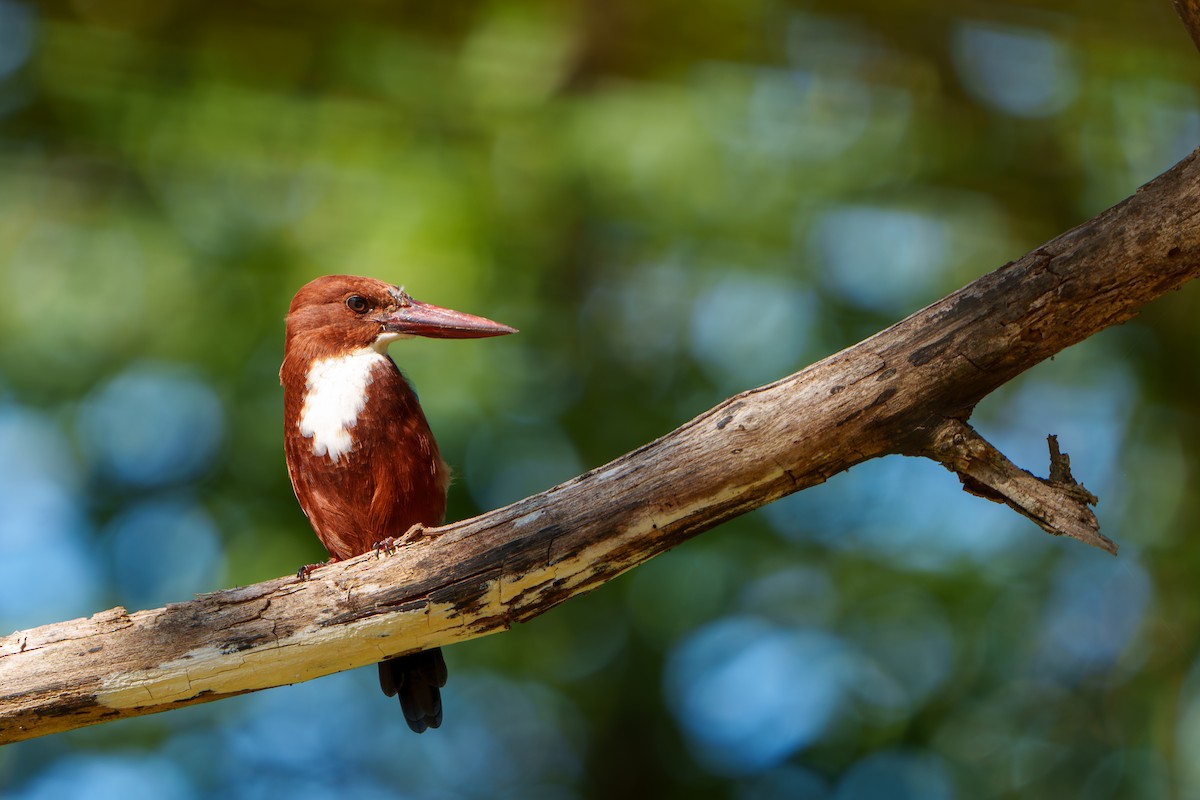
[362, 460]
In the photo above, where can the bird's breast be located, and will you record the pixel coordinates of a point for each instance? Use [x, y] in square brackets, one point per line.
[335, 393]
[360, 454]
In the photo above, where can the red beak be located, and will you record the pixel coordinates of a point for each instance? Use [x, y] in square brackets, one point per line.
[422, 319]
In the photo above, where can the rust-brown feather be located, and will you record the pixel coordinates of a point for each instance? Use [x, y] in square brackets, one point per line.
[392, 478]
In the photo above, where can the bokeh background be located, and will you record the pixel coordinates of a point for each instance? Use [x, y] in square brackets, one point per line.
[673, 201]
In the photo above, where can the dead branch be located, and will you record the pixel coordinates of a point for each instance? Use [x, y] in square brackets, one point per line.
[1189, 14]
[908, 389]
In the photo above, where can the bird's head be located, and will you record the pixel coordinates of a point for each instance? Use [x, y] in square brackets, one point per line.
[338, 314]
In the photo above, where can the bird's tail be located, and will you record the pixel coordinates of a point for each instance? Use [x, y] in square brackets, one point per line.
[417, 678]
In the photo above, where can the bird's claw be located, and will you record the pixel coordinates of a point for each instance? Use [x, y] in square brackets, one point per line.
[387, 545]
[391, 543]
[306, 570]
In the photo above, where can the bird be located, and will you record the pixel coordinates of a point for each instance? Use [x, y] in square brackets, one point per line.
[362, 459]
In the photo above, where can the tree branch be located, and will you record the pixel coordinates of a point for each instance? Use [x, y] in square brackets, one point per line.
[904, 390]
[1189, 13]
[1059, 505]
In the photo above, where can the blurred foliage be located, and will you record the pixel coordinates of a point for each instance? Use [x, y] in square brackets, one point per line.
[673, 202]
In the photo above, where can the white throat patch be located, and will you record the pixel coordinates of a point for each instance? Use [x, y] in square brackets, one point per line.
[335, 392]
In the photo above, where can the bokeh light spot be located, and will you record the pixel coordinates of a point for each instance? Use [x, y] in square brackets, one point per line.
[897, 775]
[16, 36]
[108, 776]
[883, 259]
[1095, 610]
[1021, 71]
[897, 527]
[750, 329]
[506, 735]
[48, 571]
[164, 550]
[153, 424]
[749, 694]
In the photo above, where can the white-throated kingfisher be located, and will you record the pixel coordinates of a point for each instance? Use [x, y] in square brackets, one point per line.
[363, 462]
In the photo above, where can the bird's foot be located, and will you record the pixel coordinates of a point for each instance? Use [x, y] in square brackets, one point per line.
[306, 570]
[387, 545]
[414, 534]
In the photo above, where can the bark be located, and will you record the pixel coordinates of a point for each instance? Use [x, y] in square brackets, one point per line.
[909, 389]
[1189, 14]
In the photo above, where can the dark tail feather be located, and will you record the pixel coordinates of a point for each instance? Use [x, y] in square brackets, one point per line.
[417, 678]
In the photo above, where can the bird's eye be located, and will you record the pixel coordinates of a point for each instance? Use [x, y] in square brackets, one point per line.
[357, 304]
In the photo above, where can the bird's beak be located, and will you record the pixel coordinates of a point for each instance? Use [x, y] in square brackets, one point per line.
[415, 318]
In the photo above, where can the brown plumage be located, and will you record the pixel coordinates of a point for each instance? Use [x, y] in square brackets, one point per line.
[362, 459]
[390, 480]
